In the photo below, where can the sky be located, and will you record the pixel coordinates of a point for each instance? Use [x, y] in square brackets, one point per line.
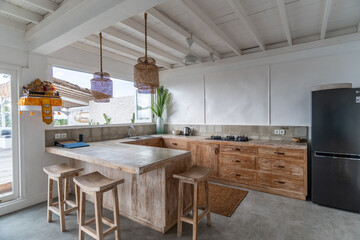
[121, 88]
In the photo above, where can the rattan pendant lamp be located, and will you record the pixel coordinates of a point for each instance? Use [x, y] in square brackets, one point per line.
[101, 84]
[146, 73]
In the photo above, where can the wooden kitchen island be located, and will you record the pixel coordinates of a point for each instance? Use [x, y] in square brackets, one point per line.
[149, 194]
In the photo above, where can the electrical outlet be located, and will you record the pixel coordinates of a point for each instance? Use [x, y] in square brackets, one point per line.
[282, 132]
[57, 135]
[277, 131]
[63, 135]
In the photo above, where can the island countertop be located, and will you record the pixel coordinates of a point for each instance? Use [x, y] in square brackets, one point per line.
[117, 154]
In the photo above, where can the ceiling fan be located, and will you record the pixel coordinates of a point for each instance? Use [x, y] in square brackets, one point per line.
[190, 59]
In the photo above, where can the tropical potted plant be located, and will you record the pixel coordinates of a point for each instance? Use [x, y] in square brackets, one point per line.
[162, 98]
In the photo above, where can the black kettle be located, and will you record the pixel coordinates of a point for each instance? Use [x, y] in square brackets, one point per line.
[187, 131]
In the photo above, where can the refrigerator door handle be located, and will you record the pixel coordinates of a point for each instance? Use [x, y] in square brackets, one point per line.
[337, 155]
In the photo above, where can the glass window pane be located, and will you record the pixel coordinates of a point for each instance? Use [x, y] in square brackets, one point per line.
[81, 109]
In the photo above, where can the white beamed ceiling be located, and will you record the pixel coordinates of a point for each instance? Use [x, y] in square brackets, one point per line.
[226, 27]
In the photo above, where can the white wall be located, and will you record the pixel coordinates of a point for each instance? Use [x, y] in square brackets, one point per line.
[271, 91]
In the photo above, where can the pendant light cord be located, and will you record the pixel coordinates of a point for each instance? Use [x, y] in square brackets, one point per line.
[101, 64]
[145, 16]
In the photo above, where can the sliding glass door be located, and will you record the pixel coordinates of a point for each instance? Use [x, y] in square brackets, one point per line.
[9, 155]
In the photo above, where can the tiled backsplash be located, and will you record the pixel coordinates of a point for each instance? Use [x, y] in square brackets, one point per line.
[93, 134]
[254, 132]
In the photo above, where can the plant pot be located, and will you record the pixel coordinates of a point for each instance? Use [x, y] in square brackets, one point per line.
[159, 125]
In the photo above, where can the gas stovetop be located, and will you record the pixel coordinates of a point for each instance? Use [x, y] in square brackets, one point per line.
[242, 138]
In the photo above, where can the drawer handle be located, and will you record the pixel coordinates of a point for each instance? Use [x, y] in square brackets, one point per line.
[237, 149]
[238, 161]
[279, 153]
[279, 166]
[281, 182]
[236, 174]
[174, 144]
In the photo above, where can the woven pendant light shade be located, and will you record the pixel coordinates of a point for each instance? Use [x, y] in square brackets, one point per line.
[146, 73]
[101, 84]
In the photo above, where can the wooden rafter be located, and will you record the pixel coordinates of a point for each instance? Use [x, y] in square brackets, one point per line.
[46, 5]
[111, 46]
[19, 12]
[240, 11]
[327, 9]
[140, 44]
[284, 20]
[179, 29]
[195, 9]
[154, 35]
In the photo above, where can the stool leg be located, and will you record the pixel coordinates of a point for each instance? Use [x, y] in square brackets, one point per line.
[116, 212]
[180, 209]
[208, 217]
[50, 199]
[66, 189]
[195, 212]
[61, 204]
[82, 213]
[98, 215]
[77, 201]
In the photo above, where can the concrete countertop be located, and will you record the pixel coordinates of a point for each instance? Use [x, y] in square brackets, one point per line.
[117, 154]
[252, 142]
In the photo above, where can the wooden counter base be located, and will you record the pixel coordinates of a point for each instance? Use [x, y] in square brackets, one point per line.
[150, 198]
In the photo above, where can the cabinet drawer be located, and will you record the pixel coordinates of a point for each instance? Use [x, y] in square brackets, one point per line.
[175, 144]
[237, 149]
[279, 166]
[236, 161]
[237, 175]
[281, 153]
[293, 183]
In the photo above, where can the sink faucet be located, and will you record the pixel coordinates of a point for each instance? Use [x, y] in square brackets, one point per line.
[129, 130]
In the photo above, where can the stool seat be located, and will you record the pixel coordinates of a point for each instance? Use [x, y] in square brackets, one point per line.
[194, 174]
[61, 170]
[96, 182]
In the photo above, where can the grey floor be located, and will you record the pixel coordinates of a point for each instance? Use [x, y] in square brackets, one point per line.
[260, 216]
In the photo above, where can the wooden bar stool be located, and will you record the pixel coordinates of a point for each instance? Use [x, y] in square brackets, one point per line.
[58, 173]
[95, 184]
[194, 176]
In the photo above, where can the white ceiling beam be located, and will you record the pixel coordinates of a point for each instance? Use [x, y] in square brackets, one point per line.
[45, 5]
[6, 22]
[111, 46]
[76, 19]
[195, 9]
[327, 9]
[284, 20]
[19, 12]
[156, 36]
[180, 30]
[91, 49]
[110, 32]
[240, 11]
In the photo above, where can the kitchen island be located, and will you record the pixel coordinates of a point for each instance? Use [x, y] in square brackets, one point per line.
[149, 194]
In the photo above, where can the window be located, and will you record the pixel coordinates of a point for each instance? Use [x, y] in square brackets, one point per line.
[79, 107]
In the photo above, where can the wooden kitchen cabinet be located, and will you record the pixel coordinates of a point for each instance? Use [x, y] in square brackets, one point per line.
[205, 154]
[176, 143]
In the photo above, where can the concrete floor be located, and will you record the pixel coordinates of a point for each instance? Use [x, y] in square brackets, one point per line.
[260, 216]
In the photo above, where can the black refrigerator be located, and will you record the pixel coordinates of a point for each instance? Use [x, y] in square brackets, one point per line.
[335, 148]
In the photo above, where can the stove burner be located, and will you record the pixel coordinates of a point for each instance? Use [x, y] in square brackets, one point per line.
[216, 137]
[242, 138]
[229, 138]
